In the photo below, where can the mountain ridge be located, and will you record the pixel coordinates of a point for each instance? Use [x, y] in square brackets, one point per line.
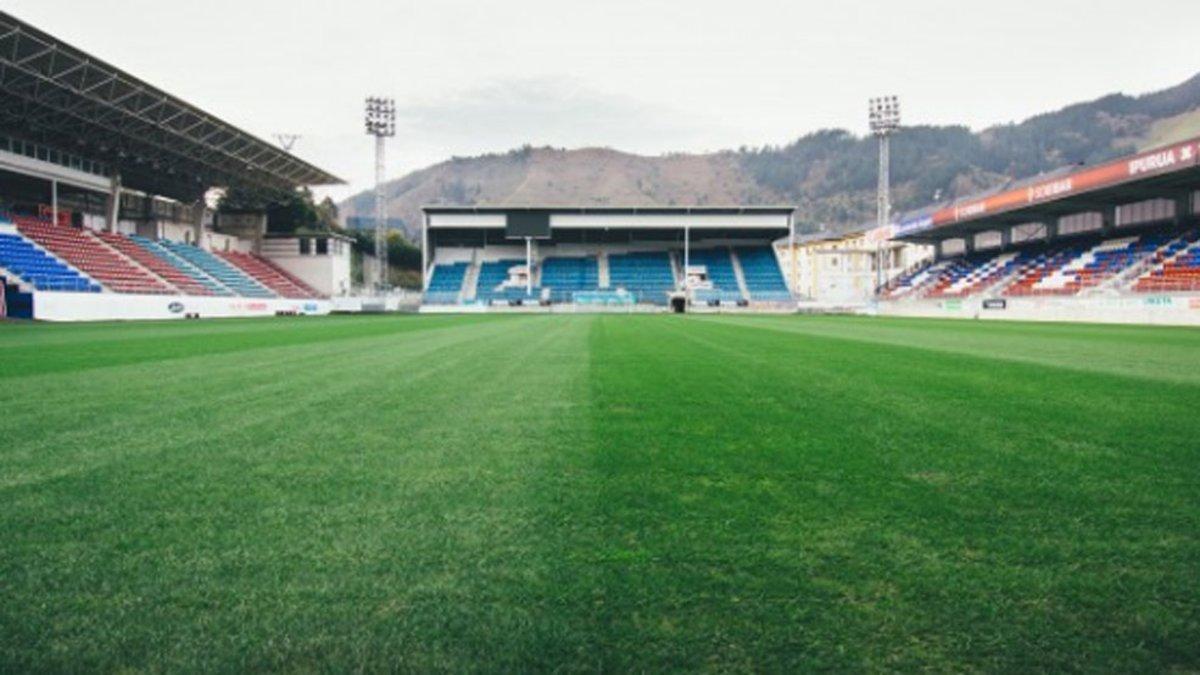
[828, 175]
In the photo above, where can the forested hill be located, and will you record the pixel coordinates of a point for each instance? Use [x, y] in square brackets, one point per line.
[829, 175]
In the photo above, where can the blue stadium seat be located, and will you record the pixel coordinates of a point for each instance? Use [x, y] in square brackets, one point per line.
[760, 269]
[719, 265]
[229, 276]
[39, 269]
[445, 284]
[195, 273]
[648, 275]
[491, 275]
[567, 276]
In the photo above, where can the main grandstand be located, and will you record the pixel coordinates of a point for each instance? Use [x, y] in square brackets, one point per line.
[103, 179]
[1116, 242]
[643, 258]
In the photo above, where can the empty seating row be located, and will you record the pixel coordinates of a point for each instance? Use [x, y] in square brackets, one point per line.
[567, 276]
[228, 275]
[491, 275]
[167, 272]
[59, 257]
[38, 269]
[718, 265]
[160, 251]
[949, 274]
[446, 283]
[268, 274]
[87, 253]
[1043, 275]
[1059, 269]
[974, 274]
[647, 275]
[760, 269]
[1111, 258]
[1179, 268]
[914, 282]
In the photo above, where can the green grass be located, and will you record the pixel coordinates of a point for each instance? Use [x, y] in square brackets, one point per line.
[599, 493]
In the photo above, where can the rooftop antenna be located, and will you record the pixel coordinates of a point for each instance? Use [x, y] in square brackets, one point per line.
[287, 141]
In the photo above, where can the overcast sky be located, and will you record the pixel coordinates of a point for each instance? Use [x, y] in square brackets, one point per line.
[647, 76]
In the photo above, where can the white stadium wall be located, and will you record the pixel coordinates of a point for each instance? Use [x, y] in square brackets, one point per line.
[328, 273]
[1166, 310]
[55, 306]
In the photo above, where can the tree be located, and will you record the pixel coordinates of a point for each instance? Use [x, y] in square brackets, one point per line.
[287, 211]
[404, 259]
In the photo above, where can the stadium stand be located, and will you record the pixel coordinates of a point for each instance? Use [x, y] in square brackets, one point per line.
[975, 274]
[1078, 244]
[1061, 269]
[32, 265]
[613, 256]
[1110, 258]
[165, 271]
[229, 276]
[760, 269]
[1177, 268]
[946, 276]
[1048, 273]
[72, 188]
[566, 276]
[647, 275]
[446, 284]
[491, 275]
[269, 275]
[89, 254]
[914, 282]
[211, 285]
[718, 263]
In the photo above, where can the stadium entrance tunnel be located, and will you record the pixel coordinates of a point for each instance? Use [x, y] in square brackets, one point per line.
[679, 304]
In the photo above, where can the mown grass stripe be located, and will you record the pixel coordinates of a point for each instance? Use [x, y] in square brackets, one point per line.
[599, 493]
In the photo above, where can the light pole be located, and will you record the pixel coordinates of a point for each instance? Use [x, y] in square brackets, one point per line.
[381, 123]
[884, 117]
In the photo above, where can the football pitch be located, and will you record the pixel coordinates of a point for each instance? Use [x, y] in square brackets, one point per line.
[584, 493]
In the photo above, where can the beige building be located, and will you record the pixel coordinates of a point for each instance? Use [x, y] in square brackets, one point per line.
[842, 268]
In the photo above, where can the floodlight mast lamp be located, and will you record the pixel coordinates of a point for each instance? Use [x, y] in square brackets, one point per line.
[381, 123]
[884, 118]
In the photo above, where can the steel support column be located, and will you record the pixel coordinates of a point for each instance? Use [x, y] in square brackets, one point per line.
[528, 266]
[113, 212]
[792, 250]
[1184, 208]
[424, 252]
[198, 222]
[687, 255]
[1108, 220]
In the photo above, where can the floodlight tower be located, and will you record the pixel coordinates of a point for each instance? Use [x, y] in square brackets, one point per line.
[381, 123]
[884, 117]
